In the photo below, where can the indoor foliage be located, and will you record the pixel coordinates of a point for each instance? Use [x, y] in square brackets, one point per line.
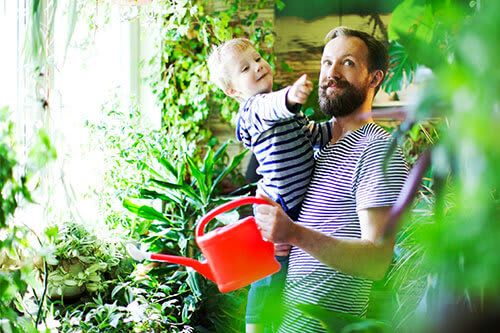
[457, 41]
[446, 250]
[16, 264]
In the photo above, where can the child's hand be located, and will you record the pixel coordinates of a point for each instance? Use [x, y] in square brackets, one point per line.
[299, 91]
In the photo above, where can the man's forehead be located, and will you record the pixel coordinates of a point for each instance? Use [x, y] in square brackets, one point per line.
[343, 46]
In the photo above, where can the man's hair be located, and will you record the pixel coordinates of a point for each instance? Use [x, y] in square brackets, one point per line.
[217, 60]
[378, 58]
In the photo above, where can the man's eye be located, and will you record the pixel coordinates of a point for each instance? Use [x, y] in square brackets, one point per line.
[327, 62]
[349, 63]
[244, 69]
[258, 59]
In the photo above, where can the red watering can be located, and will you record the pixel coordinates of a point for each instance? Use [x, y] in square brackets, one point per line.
[235, 255]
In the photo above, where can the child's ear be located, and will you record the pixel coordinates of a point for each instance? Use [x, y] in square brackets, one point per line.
[230, 92]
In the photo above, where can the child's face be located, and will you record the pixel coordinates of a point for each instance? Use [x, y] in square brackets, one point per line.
[249, 74]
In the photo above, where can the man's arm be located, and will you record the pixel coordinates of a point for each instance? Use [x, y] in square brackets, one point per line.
[364, 257]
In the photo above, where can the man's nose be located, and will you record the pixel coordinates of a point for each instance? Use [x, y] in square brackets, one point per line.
[334, 71]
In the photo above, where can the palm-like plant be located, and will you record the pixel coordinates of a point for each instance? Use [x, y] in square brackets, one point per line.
[186, 192]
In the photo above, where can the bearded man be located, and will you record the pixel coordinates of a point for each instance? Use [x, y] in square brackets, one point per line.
[336, 251]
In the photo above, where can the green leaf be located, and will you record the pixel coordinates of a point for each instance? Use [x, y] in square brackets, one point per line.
[42, 151]
[367, 325]
[401, 69]
[413, 25]
[150, 194]
[208, 167]
[181, 187]
[415, 132]
[168, 166]
[411, 17]
[144, 211]
[199, 176]
[52, 232]
[116, 290]
[235, 161]
[145, 166]
[220, 152]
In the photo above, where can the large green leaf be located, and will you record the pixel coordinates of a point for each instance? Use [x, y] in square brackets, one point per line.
[208, 167]
[220, 152]
[168, 166]
[150, 194]
[144, 211]
[412, 18]
[199, 177]
[412, 25]
[401, 69]
[186, 189]
[146, 166]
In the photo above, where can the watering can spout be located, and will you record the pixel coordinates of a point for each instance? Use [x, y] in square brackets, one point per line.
[201, 267]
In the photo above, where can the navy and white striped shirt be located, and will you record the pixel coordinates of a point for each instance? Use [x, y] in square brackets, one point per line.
[348, 177]
[283, 145]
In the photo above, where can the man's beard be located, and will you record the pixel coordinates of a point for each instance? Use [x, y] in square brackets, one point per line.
[345, 103]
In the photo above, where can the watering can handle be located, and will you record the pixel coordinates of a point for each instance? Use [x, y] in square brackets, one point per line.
[224, 208]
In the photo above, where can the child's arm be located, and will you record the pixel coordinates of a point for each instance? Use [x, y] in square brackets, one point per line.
[277, 105]
[299, 92]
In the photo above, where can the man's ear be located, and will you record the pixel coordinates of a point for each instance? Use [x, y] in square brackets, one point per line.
[377, 77]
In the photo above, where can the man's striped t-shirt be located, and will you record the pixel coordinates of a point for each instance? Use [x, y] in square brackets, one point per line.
[348, 177]
[283, 143]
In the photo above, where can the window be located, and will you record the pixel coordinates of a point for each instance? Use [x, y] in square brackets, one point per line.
[80, 78]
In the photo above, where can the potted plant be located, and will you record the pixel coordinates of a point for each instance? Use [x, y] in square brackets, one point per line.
[82, 260]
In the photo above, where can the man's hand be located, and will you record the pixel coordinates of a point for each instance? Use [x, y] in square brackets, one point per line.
[273, 222]
[363, 257]
[299, 91]
[282, 250]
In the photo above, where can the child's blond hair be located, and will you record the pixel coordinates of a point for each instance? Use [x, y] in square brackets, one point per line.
[217, 60]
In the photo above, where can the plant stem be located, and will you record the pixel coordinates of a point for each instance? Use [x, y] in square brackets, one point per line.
[45, 287]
